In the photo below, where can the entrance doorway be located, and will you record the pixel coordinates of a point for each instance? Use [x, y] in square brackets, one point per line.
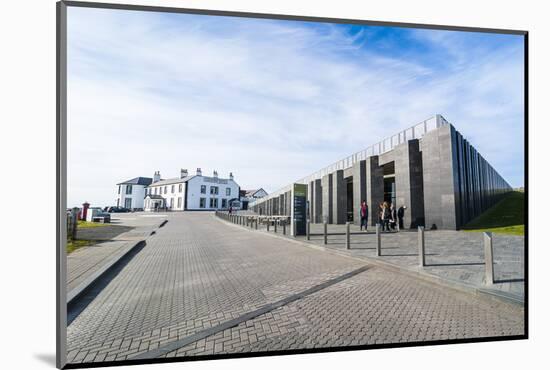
[389, 183]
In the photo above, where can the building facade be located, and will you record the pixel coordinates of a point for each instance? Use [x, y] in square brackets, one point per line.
[190, 192]
[131, 193]
[430, 168]
[248, 196]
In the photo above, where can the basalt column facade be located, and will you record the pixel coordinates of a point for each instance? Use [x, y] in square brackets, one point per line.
[429, 168]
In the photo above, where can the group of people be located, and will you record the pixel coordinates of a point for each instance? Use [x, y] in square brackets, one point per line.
[388, 217]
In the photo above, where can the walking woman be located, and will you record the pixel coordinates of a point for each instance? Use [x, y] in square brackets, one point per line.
[364, 212]
[386, 216]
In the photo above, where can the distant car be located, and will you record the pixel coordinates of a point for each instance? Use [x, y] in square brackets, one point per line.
[97, 214]
[115, 209]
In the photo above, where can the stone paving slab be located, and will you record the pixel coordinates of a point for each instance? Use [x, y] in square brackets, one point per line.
[194, 273]
[84, 262]
[374, 307]
[454, 256]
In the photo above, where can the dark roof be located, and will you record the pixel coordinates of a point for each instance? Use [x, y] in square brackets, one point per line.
[138, 181]
[175, 180]
[154, 196]
[251, 193]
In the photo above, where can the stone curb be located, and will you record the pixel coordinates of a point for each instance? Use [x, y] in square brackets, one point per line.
[84, 286]
[487, 293]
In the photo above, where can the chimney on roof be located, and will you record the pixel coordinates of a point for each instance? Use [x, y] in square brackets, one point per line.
[156, 176]
[215, 174]
[199, 172]
[183, 173]
[230, 175]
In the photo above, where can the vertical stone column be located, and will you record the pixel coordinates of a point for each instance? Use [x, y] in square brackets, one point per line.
[408, 183]
[339, 197]
[375, 187]
[326, 185]
[440, 178]
[317, 194]
[359, 188]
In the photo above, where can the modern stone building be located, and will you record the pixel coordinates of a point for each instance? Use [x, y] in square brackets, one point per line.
[430, 168]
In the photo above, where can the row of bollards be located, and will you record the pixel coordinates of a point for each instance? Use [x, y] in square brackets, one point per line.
[252, 222]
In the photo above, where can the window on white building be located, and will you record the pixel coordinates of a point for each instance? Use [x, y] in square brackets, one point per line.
[181, 188]
[224, 203]
[179, 202]
[119, 189]
[228, 191]
[203, 189]
[155, 191]
[213, 202]
[165, 189]
[202, 203]
[128, 189]
[173, 189]
[214, 190]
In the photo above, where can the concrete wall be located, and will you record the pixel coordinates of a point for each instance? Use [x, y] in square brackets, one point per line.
[339, 197]
[327, 194]
[458, 183]
[374, 175]
[408, 182]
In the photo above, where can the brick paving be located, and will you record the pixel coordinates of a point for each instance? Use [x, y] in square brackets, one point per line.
[457, 256]
[198, 272]
[113, 241]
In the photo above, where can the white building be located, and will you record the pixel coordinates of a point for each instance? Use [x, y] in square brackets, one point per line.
[132, 192]
[195, 192]
[248, 196]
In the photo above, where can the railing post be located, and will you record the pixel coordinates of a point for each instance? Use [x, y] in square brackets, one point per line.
[489, 268]
[347, 236]
[421, 247]
[74, 222]
[378, 241]
[308, 230]
[325, 231]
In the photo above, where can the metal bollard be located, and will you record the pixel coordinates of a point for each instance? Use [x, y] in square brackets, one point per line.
[308, 225]
[347, 236]
[256, 223]
[325, 232]
[284, 227]
[247, 221]
[268, 224]
[421, 247]
[378, 241]
[489, 267]
[275, 222]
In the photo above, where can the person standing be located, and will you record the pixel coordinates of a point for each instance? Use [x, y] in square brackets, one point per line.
[400, 215]
[386, 216]
[393, 217]
[364, 212]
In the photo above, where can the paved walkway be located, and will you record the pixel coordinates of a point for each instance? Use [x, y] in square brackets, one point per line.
[198, 273]
[456, 256]
[113, 242]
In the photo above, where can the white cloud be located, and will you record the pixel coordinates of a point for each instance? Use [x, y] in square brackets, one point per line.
[270, 101]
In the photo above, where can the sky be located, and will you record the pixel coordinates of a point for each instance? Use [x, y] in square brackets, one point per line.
[270, 100]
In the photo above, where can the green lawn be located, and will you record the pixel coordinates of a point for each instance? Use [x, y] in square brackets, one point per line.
[506, 217]
[73, 245]
[85, 224]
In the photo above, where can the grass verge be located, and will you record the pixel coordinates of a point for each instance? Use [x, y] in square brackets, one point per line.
[73, 245]
[505, 217]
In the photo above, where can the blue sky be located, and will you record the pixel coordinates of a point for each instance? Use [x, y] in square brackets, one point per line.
[272, 101]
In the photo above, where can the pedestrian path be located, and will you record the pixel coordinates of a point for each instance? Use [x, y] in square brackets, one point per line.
[111, 245]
